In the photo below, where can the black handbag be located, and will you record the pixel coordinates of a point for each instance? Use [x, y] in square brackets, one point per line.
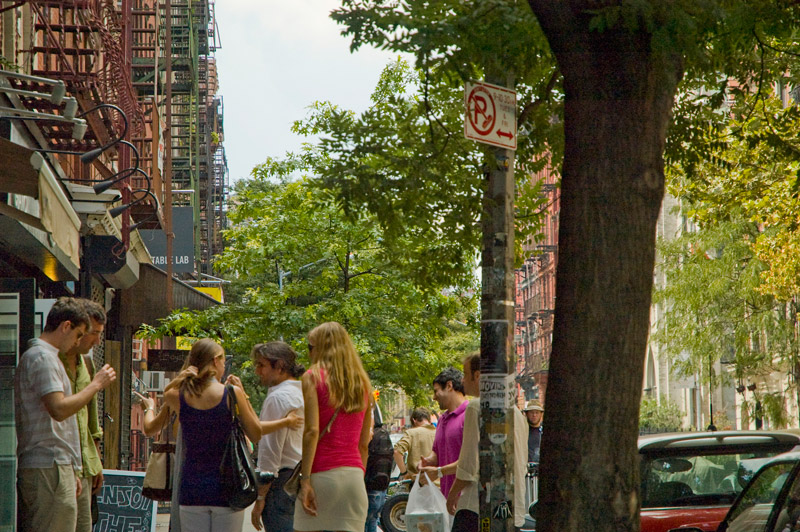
[237, 473]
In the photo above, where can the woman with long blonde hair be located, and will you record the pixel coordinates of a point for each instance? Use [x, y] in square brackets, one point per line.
[337, 392]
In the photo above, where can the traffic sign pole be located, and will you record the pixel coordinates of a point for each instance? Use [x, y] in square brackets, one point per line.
[491, 119]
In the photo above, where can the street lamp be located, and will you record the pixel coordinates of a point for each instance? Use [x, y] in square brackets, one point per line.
[91, 155]
[116, 211]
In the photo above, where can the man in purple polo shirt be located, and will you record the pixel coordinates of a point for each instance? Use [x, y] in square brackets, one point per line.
[448, 391]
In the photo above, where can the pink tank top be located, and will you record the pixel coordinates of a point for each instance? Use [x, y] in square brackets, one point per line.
[339, 446]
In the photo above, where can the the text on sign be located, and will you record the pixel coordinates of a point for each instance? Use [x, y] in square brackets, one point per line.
[497, 390]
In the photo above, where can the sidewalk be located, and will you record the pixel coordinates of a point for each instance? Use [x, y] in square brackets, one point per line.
[162, 522]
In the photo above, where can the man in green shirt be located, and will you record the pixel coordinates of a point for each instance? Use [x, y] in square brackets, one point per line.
[80, 375]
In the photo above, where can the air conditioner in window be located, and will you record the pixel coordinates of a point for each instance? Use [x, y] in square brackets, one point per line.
[136, 354]
[154, 380]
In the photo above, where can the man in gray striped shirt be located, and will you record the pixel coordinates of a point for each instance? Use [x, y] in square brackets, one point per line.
[48, 444]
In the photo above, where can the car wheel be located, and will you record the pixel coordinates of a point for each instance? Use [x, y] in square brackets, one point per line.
[393, 514]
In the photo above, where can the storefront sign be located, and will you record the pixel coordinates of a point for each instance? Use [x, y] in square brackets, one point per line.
[166, 359]
[182, 245]
[122, 506]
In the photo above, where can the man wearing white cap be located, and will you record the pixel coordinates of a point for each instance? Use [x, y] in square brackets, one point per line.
[534, 411]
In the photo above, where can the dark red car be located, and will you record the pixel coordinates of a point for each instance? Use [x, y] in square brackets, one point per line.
[690, 480]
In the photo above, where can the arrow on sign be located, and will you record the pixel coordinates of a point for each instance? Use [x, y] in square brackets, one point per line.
[504, 134]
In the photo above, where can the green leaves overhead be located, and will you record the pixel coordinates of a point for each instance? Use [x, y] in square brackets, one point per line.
[456, 36]
[750, 174]
[733, 281]
[405, 160]
[296, 261]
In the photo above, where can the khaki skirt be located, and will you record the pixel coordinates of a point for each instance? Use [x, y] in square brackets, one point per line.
[341, 501]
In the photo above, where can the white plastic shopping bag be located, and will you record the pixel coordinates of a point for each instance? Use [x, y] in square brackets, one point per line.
[426, 509]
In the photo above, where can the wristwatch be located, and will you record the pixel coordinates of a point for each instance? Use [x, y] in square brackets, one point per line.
[439, 472]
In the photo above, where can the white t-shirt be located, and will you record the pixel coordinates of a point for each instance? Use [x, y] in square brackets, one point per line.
[42, 441]
[283, 448]
[468, 464]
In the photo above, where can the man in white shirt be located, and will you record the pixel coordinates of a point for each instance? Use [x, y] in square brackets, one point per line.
[462, 501]
[48, 441]
[276, 365]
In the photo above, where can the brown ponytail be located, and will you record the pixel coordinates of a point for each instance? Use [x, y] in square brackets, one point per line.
[201, 356]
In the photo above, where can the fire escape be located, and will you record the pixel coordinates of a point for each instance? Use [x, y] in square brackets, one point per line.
[82, 43]
[536, 300]
[198, 164]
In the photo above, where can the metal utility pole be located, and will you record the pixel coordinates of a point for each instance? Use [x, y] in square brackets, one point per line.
[491, 119]
[168, 149]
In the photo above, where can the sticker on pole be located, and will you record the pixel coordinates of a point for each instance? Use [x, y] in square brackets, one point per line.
[491, 114]
[497, 390]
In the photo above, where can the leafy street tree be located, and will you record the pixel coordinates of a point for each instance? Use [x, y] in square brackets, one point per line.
[752, 174]
[715, 309]
[406, 159]
[297, 261]
[393, 149]
[732, 283]
[621, 65]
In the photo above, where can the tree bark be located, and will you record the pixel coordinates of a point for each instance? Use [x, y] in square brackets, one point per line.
[618, 99]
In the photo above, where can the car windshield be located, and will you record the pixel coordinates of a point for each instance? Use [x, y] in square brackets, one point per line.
[698, 479]
[751, 513]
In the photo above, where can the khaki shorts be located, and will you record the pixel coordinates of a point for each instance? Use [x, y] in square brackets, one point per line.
[85, 507]
[46, 499]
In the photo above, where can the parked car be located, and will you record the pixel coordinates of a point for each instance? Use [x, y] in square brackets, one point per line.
[770, 502]
[690, 480]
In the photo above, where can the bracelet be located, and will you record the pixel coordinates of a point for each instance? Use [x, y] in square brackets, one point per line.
[146, 410]
[439, 472]
[261, 497]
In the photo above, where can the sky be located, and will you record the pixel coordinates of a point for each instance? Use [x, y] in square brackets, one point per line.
[277, 58]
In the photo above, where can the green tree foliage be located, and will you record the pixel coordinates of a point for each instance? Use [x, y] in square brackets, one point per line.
[715, 309]
[406, 161]
[297, 261]
[659, 416]
[732, 284]
[752, 174]
[621, 65]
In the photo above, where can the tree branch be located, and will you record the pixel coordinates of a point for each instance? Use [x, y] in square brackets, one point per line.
[365, 272]
[545, 97]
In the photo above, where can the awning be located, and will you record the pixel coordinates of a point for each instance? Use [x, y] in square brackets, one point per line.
[17, 176]
[145, 301]
[37, 223]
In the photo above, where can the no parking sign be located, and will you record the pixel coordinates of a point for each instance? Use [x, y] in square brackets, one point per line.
[491, 114]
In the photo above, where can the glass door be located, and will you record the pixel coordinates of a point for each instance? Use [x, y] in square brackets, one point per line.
[16, 329]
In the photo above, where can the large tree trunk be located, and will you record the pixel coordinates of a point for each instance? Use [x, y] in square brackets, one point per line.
[619, 94]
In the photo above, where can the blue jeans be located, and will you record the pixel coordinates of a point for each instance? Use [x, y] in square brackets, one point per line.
[375, 500]
[278, 514]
